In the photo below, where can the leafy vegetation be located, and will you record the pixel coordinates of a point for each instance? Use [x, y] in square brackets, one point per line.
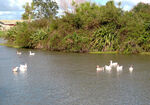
[45, 8]
[2, 33]
[90, 28]
[28, 14]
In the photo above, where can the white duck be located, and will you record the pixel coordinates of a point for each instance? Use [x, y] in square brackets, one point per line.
[98, 68]
[30, 53]
[113, 64]
[19, 53]
[119, 68]
[23, 67]
[15, 69]
[131, 68]
[108, 67]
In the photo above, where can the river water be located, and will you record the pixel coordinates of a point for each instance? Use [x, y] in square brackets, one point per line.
[56, 78]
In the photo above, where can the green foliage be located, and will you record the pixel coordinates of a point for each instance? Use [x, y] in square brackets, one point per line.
[104, 40]
[41, 23]
[23, 35]
[54, 42]
[147, 26]
[11, 34]
[28, 14]
[144, 41]
[45, 8]
[75, 43]
[38, 36]
[77, 22]
[130, 46]
[141, 7]
[87, 16]
[90, 27]
[54, 25]
[142, 10]
[2, 33]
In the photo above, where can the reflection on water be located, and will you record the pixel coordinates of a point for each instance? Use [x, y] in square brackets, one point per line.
[130, 72]
[71, 79]
[15, 74]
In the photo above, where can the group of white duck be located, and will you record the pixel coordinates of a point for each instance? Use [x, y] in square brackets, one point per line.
[30, 53]
[112, 65]
[22, 67]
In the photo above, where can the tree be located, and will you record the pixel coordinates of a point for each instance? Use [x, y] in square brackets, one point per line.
[29, 11]
[46, 8]
[142, 10]
[70, 5]
[141, 7]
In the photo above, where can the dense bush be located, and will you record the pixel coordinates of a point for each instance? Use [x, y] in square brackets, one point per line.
[75, 43]
[90, 28]
[104, 40]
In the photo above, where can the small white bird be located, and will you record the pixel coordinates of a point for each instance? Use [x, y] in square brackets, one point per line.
[98, 68]
[119, 68]
[131, 68]
[15, 69]
[113, 64]
[30, 53]
[108, 67]
[19, 53]
[23, 67]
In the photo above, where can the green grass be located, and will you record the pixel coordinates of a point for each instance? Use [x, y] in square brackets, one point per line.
[9, 45]
[99, 52]
[145, 53]
[115, 52]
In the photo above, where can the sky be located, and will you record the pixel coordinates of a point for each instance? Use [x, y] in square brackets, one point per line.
[12, 9]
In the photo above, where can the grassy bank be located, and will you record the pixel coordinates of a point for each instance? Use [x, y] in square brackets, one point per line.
[9, 45]
[103, 52]
[145, 53]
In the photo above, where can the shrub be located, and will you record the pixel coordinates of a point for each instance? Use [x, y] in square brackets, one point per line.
[104, 40]
[38, 36]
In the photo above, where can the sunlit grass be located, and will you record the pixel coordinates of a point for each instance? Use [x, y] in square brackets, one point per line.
[9, 45]
[145, 53]
[107, 52]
